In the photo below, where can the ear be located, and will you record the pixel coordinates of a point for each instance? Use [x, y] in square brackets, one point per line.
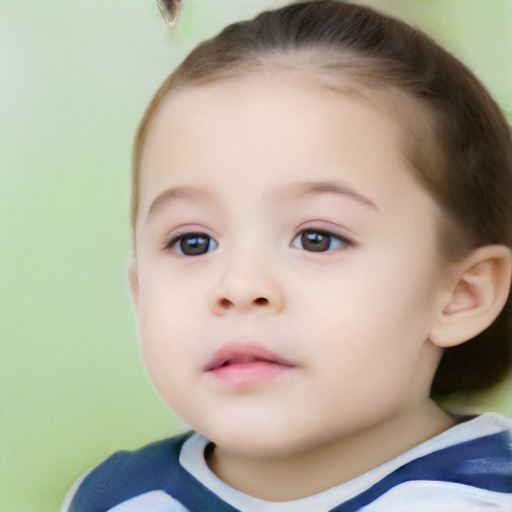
[473, 296]
[133, 281]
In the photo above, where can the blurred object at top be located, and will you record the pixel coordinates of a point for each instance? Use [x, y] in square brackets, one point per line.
[170, 10]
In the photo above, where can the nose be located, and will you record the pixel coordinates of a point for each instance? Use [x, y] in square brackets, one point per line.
[247, 289]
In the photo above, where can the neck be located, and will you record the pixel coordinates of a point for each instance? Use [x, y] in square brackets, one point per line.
[298, 475]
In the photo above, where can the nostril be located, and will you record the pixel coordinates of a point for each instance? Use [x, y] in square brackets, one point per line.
[225, 303]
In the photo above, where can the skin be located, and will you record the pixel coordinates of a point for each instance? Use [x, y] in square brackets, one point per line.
[230, 160]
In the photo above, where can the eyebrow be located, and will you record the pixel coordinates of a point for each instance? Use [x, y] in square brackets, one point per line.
[329, 187]
[302, 189]
[168, 195]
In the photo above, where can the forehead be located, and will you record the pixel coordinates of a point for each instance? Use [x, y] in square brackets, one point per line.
[264, 133]
[279, 120]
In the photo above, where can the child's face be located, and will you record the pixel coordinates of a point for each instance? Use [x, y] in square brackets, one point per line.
[314, 248]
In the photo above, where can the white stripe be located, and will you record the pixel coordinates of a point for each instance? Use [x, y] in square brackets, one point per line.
[153, 501]
[423, 496]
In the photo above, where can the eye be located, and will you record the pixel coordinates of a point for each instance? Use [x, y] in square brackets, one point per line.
[192, 244]
[317, 240]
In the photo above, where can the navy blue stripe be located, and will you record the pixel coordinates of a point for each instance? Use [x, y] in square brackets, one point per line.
[125, 475]
[485, 463]
[156, 466]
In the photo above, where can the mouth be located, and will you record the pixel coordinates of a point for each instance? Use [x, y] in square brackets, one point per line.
[246, 364]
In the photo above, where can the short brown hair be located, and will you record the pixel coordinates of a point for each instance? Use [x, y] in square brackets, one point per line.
[459, 143]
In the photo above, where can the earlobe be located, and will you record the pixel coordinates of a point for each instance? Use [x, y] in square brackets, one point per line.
[133, 281]
[473, 297]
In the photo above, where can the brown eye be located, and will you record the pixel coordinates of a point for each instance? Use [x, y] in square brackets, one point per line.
[193, 244]
[315, 240]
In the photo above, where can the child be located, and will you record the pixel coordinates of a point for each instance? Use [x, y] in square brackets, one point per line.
[322, 208]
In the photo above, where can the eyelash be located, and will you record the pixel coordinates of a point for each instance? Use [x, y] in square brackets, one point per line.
[323, 239]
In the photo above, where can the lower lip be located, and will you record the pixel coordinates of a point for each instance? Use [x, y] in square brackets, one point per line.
[248, 374]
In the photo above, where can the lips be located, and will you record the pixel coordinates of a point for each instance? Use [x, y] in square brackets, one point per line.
[244, 353]
[239, 365]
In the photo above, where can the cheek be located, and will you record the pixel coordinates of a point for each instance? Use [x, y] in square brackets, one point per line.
[376, 319]
[162, 335]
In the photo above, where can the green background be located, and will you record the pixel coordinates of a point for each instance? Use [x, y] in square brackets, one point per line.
[75, 77]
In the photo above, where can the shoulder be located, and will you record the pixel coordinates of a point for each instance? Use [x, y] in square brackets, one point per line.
[127, 474]
[477, 453]
[467, 468]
